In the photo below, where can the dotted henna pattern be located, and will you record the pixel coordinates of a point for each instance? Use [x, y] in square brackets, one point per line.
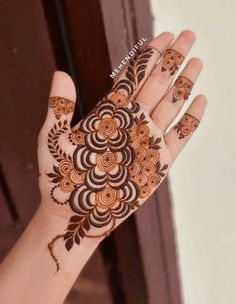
[183, 87]
[171, 61]
[186, 125]
[114, 165]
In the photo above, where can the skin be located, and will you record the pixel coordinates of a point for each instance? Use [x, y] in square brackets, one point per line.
[29, 273]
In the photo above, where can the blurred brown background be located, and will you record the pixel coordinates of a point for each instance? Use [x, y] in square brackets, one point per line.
[137, 263]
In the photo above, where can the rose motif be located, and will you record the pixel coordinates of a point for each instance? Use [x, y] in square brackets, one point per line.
[119, 99]
[183, 87]
[171, 61]
[106, 127]
[61, 106]
[186, 125]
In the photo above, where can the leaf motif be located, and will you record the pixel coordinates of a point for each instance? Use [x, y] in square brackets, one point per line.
[164, 167]
[57, 179]
[69, 244]
[161, 174]
[76, 219]
[86, 224]
[52, 175]
[142, 61]
[77, 239]
[157, 140]
[131, 70]
[147, 50]
[140, 68]
[141, 76]
[72, 226]
[142, 116]
[56, 169]
[146, 56]
[158, 165]
[132, 62]
[81, 232]
[68, 234]
[59, 159]
[130, 77]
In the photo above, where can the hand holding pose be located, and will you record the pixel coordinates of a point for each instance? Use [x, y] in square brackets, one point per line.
[96, 174]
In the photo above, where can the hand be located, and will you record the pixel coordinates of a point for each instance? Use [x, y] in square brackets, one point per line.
[97, 173]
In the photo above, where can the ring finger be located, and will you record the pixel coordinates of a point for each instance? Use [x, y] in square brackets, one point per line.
[171, 104]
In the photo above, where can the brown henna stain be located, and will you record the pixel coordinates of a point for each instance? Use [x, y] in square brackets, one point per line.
[61, 106]
[135, 74]
[99, 176]
[171, 61]
[186, 125]
[182, 90]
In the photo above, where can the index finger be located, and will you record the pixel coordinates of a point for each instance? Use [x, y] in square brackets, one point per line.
[139, 68]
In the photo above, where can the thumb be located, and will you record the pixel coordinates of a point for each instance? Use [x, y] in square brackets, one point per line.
[62, 98]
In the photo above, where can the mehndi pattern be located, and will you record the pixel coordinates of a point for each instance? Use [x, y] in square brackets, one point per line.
[114, 164]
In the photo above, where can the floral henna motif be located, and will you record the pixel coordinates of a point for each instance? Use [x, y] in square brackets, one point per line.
[186, 125]
[114, 166]
[145, 169]
[61, 106]
[171, 61]
[183, 87]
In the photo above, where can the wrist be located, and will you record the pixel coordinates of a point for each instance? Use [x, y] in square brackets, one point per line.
[53, 224]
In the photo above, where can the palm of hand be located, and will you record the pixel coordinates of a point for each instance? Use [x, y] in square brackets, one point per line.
[105, 167]
[114, 165]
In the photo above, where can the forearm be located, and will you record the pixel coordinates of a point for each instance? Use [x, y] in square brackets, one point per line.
[28, 273]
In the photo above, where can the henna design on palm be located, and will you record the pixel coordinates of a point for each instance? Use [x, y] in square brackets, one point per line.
[114, 164]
